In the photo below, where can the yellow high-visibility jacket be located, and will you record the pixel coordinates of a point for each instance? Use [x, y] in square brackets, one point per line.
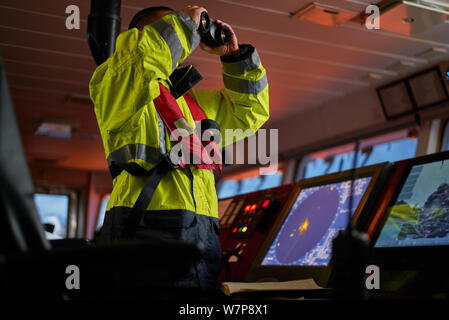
[123, 89]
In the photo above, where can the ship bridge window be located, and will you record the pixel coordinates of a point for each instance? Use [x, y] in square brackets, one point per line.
[53, 209]
[102, 212]
[394, 146]
[248, 182]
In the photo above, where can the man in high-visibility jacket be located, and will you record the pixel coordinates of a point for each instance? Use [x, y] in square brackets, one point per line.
[184, 205]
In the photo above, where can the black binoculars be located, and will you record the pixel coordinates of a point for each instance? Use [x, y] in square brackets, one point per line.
[211, 33]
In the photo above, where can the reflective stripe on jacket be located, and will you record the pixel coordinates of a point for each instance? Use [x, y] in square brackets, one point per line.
[123, 89]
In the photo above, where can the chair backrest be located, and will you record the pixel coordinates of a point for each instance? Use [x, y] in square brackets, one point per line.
[20, 226]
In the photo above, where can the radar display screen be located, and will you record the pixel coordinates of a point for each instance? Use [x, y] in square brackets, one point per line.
[420, 214]
[314, 220]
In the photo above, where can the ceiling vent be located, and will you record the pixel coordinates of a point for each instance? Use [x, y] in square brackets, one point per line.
[412, 17]
[325, 15]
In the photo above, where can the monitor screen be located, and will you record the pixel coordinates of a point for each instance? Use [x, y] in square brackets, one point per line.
[314, 220]
[395, 100]
[428, 88]
[420, 214]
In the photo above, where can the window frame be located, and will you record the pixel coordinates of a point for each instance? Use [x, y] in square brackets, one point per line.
[444, 141]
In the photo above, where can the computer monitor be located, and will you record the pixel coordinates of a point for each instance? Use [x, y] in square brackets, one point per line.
[300, 243]
[414, 229]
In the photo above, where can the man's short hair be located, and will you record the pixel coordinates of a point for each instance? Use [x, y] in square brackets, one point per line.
[141, 17]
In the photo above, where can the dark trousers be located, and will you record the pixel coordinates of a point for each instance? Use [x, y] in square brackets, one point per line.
[174, 225]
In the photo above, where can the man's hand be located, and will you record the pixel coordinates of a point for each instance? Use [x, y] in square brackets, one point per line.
[194, 12]
[228, 49]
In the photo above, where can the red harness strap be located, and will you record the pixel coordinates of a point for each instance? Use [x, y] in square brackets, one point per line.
[198, 116]
[171, 114]
[195, 110]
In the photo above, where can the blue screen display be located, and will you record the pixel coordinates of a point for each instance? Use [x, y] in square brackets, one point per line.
[316, 217]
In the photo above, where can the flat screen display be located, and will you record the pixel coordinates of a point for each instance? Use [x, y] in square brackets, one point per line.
[396, 100]
[314, 220]
[428, 88]
[420, 214]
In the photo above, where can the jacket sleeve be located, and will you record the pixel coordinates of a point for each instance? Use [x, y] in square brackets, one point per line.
[243, 104]
[166, 43]
[128, 80]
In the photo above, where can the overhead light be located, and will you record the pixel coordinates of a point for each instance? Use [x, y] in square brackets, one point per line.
[324, 14]
[401, 66]
[55, 129]
[411, 17]
[372, 77]
[408, 20]
[431, 53]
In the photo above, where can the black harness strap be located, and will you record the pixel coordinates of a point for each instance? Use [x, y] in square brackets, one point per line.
[155, 176]
[130, 167]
